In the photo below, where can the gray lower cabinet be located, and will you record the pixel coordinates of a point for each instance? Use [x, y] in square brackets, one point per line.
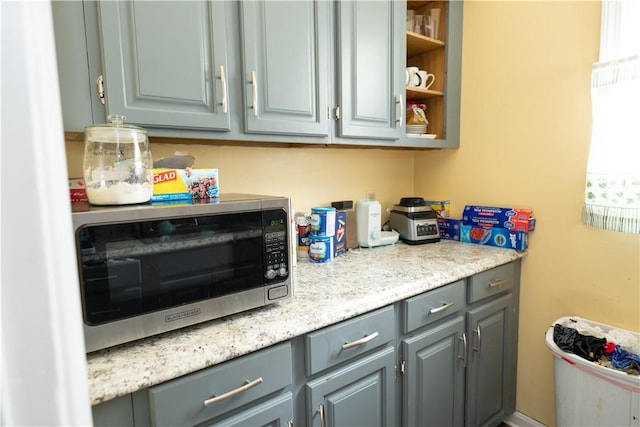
[347, 384]
[433, 389]
[459, 354]
[358, 394]
[446, 357]
[115, 412]
[251, 390]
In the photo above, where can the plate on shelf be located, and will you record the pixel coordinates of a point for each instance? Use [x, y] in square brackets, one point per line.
[421, 135]
[416, 129]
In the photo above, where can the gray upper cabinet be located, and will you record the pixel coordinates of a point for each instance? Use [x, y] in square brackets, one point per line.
[370, 34]
[165, 63]
[285, 52]
[309, 71]
[441, 56]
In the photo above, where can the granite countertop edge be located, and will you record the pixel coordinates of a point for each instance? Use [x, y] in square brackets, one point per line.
[356, 282]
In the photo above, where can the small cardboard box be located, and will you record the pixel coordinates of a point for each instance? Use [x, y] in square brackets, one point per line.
[77, 190]
[509, 218]
[340, 236]
[441, 207]
[494, 236]
[181, 184]
[449, 228]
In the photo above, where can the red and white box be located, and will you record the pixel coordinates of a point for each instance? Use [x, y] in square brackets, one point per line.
[77, 190]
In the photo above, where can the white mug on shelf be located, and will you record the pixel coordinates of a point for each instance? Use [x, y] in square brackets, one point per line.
[426, 79]
[412, 77]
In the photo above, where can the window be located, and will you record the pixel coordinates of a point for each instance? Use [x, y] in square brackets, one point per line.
[612, 191]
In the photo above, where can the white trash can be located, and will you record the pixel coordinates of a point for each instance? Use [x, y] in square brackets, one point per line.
[588, 394]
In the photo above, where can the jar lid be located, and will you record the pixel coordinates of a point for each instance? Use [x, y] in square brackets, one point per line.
[116, 122]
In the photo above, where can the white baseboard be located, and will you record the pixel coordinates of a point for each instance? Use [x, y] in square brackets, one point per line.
[518, 419]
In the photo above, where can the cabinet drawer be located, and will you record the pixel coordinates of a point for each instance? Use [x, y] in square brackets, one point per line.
[431, 306]
[181, 401]
[490, 282]
[336, 344]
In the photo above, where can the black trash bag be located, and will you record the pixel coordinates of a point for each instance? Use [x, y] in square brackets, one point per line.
[585, 346]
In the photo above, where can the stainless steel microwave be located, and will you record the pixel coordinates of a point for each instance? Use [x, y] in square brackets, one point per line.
[148, 269]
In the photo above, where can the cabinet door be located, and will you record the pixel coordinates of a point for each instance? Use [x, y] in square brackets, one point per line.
[277, 412]
[164, 62]
[359, 394]
[285, 53]
[368, 42]
[115, 412]
[433, 388]
[490, 354]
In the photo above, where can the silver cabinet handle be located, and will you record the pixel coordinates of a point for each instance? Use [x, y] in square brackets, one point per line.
[241, 389]
[321, 413]
[361, 341]
[442, 307]
[401, 115]
[223, 86]
[497, 283]
[254, 89]
[100, 88]
[464, 349]
[477, 332]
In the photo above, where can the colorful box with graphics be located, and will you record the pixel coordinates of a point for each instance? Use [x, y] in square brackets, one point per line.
[441, 207]
[521, 220]
[181, 184]
[340, 236]
[494, 236]
[449, 228]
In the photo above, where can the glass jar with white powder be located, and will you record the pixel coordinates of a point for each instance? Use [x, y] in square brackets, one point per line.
[117, 163]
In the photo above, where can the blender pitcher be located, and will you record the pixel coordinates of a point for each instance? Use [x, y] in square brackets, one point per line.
[117, 163]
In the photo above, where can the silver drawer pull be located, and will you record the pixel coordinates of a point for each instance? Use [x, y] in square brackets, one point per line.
[361, 341]
[497, 283]
[241, 389]
[442, 308]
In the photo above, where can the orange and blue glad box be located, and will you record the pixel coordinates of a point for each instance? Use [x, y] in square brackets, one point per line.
[182, 184]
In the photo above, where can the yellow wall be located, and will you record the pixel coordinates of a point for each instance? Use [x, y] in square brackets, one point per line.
[524, 142]
[309, 176]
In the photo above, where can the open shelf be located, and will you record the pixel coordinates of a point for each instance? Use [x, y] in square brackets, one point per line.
[417, 44]
[418, 93]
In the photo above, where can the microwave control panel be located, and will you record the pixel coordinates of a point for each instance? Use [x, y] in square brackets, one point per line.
[276, 245]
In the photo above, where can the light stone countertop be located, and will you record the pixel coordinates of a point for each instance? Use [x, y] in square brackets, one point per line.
[356, 282]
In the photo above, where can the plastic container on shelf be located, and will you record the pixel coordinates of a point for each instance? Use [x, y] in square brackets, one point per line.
[589, 394]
